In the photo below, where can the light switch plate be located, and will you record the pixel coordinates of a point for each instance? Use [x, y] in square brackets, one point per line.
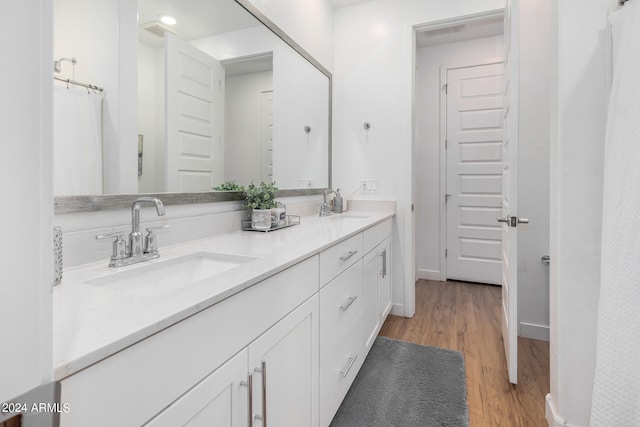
[370, 186]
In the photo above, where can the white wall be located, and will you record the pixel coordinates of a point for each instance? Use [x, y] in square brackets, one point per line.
[26, 246]
[428, 201]
[243, 120]
[309, 23]
[373, 75]
[578, 120]
[103, 37]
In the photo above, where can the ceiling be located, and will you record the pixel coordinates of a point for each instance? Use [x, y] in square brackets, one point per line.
[195, 18]
[337, 4]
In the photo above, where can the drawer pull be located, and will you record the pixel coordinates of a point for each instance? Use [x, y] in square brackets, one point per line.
[262, 370]
[347, 256]
[352, 360]
[347, 304]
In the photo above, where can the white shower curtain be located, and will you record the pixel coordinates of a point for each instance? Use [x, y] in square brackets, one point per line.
[77, 141]
[616, 392]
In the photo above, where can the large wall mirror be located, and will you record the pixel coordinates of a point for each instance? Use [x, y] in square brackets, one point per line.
[146, 105]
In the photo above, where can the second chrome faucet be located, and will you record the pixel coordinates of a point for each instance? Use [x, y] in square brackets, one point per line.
[138, 248]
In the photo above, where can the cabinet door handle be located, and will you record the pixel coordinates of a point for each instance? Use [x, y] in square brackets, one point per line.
[384, 263]
[263, 373]
[347, 304]
[249, 385]
[264, 393]
[352, 360]
[348, 255]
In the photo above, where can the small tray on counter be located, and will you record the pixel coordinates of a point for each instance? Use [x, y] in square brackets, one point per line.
[290, 220]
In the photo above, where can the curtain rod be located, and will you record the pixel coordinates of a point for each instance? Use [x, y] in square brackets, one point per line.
[73, 82]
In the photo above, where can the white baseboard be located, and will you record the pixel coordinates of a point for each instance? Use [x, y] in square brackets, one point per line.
[551, 414]
[534, 331]
[428, 274]
[397, 309]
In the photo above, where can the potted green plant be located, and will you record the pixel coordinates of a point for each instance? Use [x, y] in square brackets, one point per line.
[260, 199]
[229, 186]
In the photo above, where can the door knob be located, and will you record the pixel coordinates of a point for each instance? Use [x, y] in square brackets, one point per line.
[513, 221]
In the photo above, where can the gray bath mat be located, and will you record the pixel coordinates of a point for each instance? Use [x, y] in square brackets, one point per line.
[404, 384]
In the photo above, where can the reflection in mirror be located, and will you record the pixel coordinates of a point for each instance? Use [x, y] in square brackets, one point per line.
[219, 98]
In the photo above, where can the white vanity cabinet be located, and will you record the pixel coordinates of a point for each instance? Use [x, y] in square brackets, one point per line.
[280, 368]
[355, 298]
[377, 278]
[136, 384]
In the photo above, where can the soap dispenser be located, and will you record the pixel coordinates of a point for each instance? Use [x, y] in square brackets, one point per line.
[337, 202]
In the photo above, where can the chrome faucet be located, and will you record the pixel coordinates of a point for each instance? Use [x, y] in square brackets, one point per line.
[136, 243]
[325, 209]
[138, 248]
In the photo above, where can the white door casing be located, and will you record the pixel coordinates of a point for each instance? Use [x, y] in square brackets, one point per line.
[266, 135]
[473, 141]
[510, 191]
[194, 119]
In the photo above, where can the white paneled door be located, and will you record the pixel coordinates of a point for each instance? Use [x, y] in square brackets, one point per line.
[508, 218]
[474, 133]
[194, 123]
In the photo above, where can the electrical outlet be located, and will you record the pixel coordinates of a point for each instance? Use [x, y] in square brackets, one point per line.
[370, 186]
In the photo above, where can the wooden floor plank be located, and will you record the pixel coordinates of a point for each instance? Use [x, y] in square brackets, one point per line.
[466, 317]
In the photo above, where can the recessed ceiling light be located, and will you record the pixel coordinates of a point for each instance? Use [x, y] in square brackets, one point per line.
[169, 20]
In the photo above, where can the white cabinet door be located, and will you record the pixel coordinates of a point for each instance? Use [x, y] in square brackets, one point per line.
[221, 399]
[377, 289]
[284, 365]
[384, 279]
[370, 300]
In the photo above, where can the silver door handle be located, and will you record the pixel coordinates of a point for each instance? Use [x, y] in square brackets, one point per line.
[513, 221]
[249, 385]
[384, 263]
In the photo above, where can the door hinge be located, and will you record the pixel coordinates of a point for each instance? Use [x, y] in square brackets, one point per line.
[446, 252]
[445, 88]
[446, 144]
[412, 207]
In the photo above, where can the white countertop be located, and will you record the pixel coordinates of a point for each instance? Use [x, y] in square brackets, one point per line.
[91, 323]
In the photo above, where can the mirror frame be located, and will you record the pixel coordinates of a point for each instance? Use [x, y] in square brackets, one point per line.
[71, 204]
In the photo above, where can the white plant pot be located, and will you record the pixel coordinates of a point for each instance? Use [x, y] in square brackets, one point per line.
[261, 219]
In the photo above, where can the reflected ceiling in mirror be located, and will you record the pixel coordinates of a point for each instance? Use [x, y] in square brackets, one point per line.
[269, 121]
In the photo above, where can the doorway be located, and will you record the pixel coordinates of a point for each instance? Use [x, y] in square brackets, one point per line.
[471, 124]
[458, 45]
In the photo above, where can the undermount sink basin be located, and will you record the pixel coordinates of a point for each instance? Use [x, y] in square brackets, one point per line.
[171, 275]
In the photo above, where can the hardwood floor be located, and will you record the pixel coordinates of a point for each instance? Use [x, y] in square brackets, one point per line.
[466, 317]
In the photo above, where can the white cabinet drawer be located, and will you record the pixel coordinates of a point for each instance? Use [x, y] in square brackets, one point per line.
[339, 257]
[341, 304]
[376, 234]
[338, 369]
[130, 387]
